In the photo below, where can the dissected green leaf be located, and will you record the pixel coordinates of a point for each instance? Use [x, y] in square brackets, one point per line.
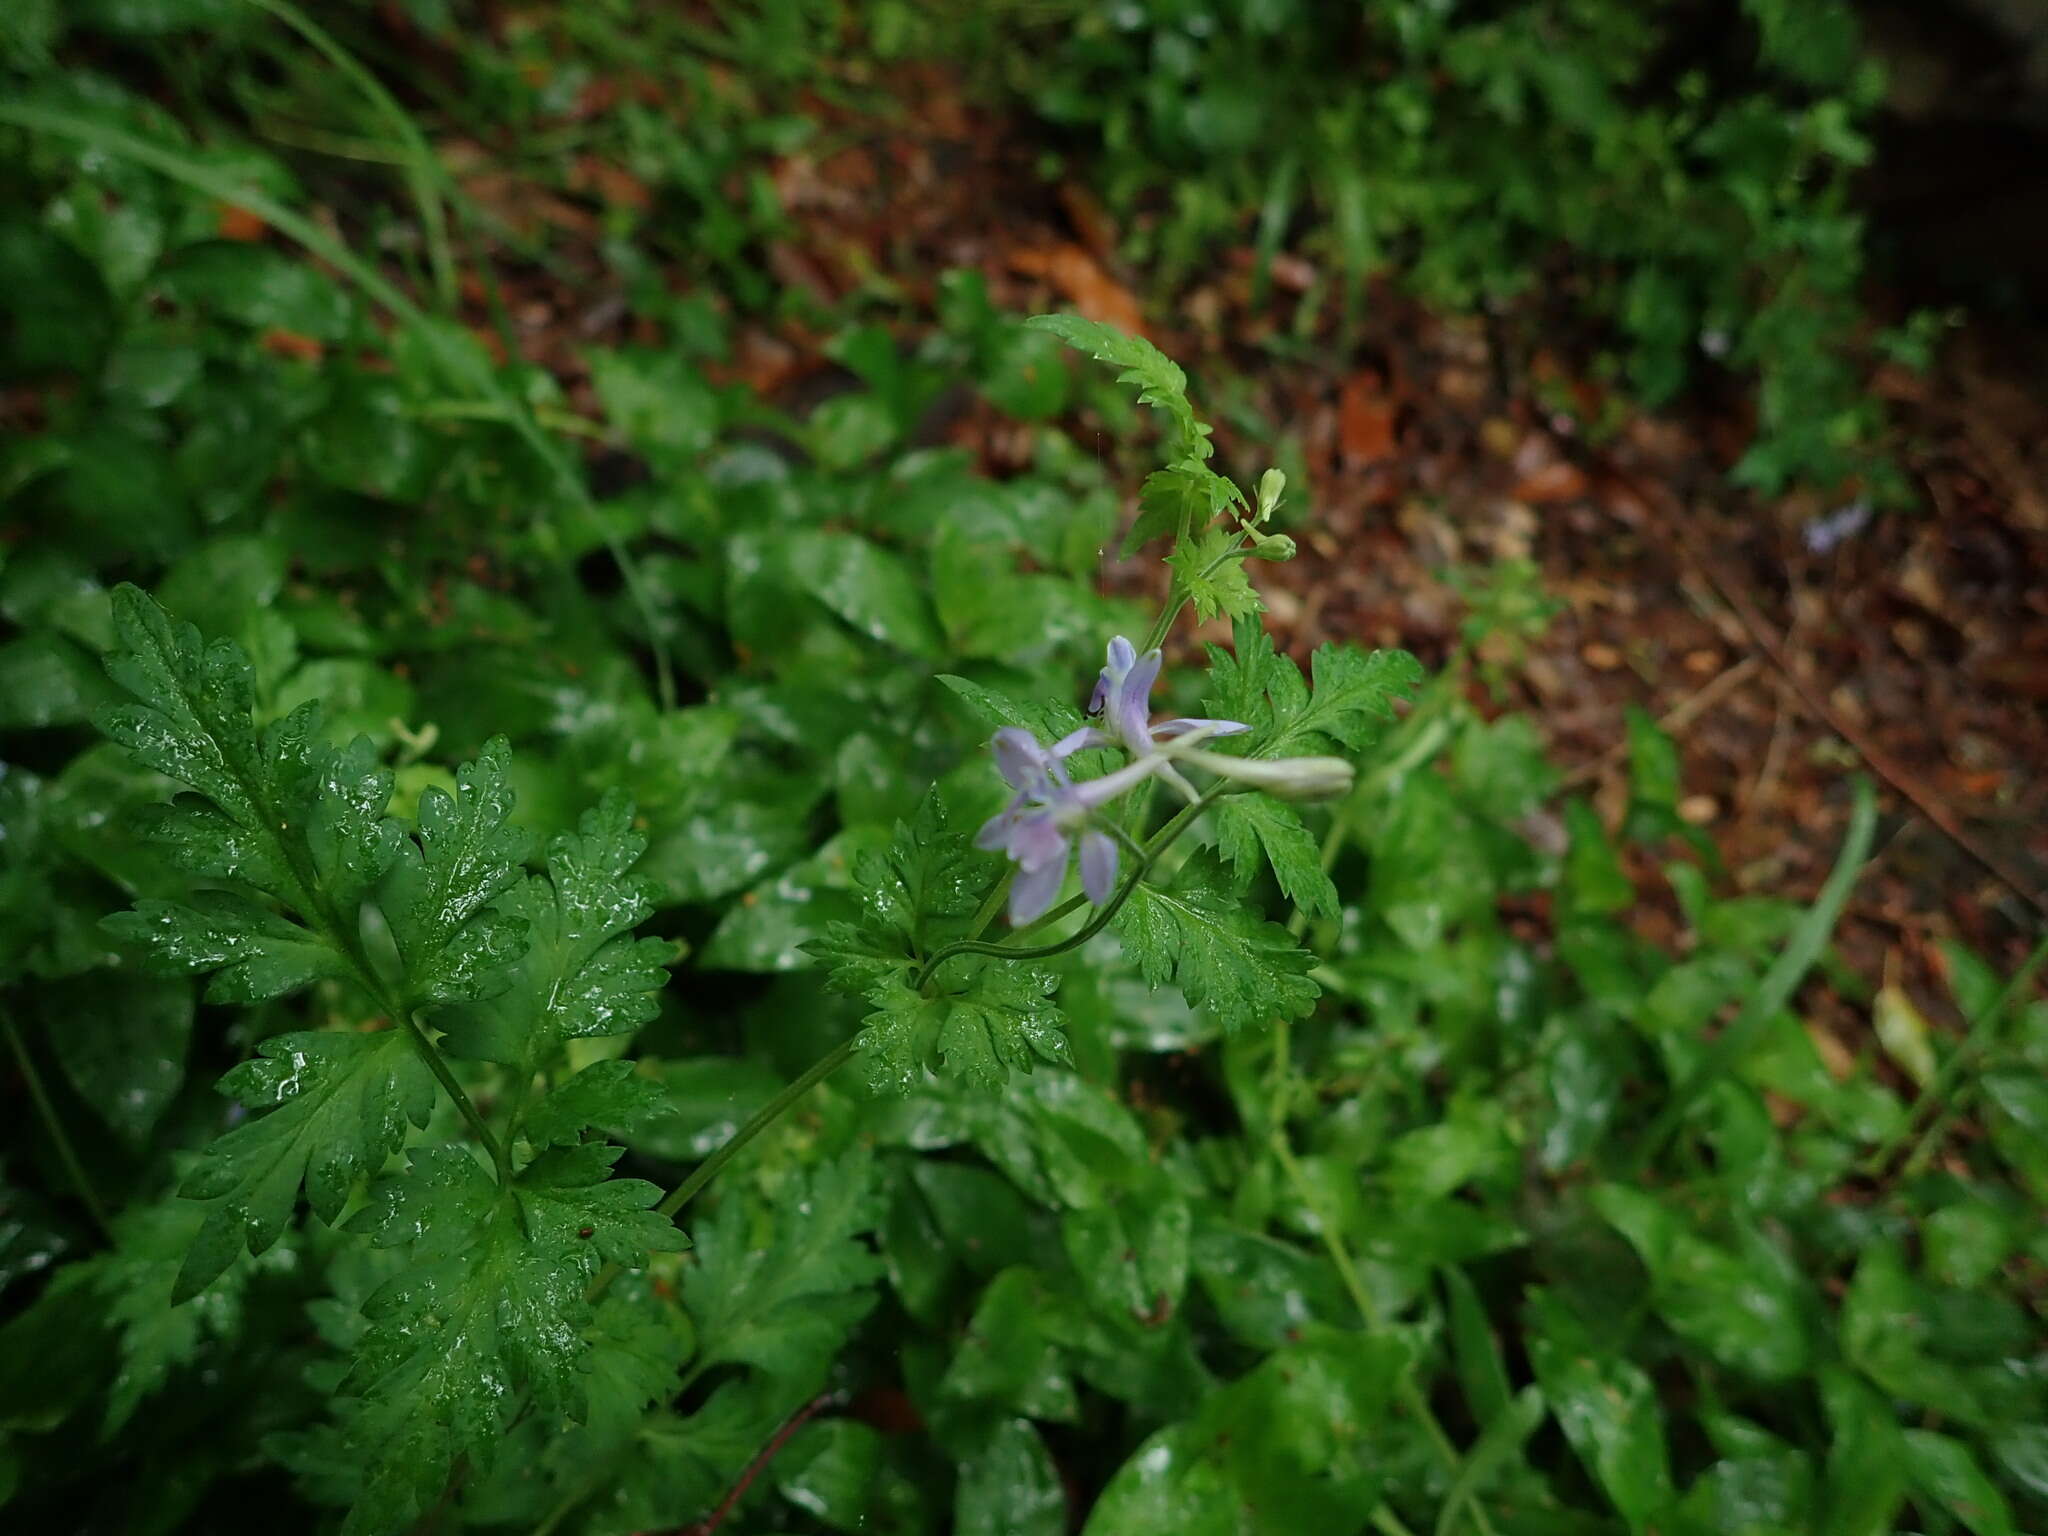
[1349, 705]
[338, 1106]
[1156, 377]
[981, 1019]
[582, 974]
[252, 953]
[439, 894]
[1214, 578]
[608, 1095]
[914, 895]
[781, 1304]
[489, 1306]
[137, 1283]
[280, 811]
[1179, 501]
[1201, 937]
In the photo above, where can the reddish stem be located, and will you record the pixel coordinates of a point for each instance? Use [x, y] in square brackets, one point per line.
[769, 1452]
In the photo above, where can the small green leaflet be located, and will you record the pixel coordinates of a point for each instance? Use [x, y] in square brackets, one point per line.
[136, 1282]
[782, 1305]
[491, 1305]
[1213, 576]
[609, 1095]
[295, 819]
[1199, 935]
[438, 894]
[988, 1018]
[1159, 380]
[277, 811]
[928, 871]
[915, 895]
[342, 1101]
[1179, 500]
[254, 953]
[582, 975]
[1253, 831]
[1352, 700]
[192, 719]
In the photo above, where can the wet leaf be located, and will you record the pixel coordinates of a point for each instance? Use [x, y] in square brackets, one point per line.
[122, 1040]
[1009, 1486]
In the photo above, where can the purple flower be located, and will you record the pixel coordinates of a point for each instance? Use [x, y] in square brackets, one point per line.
[1050, 813]
[1123, 697]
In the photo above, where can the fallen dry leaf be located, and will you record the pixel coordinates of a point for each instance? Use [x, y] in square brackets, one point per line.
[1365, 419]
[237, 223]
[1080, 280]
[283, 343]
[614, 185]
[1555, 482]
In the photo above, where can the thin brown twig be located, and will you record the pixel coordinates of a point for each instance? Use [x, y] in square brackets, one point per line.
[1766, 640]
[1674, 720]
[1774, 755]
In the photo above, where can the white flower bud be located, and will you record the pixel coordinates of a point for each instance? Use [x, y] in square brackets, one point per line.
[1290, 778]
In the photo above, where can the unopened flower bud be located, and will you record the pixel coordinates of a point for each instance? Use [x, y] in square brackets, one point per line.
[1272, 487]
[1290, 778]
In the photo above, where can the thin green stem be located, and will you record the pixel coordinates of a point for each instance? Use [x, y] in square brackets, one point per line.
[423, 169]
[501, 1157]
[1333, 1244]
[1177, 597]
[991, 904]
[713, 1165]
[1369, 1311]
[320, 141]
[1050, 919]
[59, 1138]
[769, 1113]
[1161, 840]
[1947, 1091]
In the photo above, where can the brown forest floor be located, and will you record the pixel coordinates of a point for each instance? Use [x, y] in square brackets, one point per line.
[1924, 635]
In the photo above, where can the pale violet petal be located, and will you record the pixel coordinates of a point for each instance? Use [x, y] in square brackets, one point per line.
[995, 832]
[1094, 792]
[1034, 891]
[1098, 865]
[1122, 656]
[1019, 758]
[1038, 841]
[1133, 706]
[1104, 683]
[1076, 741]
